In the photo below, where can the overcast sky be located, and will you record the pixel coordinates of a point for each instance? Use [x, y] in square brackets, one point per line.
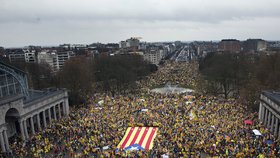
[53, 22]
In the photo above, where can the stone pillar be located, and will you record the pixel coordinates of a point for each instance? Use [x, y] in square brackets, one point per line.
[2, 142]
[44, 119]
[50, 116]
[66, 106]
[266, 115]
[6, 140]
[22, 129]
[32, 125]
[272, 123]
[260, 111]
[54, 113]
[59, 111]
[269, 118]
[63, 108]
[25, 129]
[38, 121]
[263, 113]
[276, 127]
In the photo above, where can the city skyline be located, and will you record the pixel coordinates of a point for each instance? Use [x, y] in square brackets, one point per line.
[30, 22]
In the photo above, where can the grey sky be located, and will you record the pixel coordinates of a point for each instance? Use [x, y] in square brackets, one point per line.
[51, 22]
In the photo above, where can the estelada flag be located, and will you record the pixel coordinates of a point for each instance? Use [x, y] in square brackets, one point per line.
[143, 136]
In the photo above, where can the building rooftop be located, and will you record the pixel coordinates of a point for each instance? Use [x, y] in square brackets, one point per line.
[34, 94]
[273, 95]
[10, 98]
[37, 96]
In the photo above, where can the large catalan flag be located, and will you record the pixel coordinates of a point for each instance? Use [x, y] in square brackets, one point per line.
[142, 137]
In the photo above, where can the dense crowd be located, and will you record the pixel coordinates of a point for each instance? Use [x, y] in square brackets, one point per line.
[184, 74]
[190, 125]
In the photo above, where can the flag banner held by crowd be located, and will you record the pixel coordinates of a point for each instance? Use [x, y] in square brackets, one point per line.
[105, 147]
[257, 132]
[144, 110]
[248, 122]
[192, 115]
[136, 137]
[101, 102]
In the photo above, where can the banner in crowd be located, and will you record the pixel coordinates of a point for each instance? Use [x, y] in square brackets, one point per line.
[257, 132]
[138, 138]
[192, 115]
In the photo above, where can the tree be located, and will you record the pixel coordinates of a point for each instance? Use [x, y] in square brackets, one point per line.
[117, 74]
[245, 75]
[264, 75]
[76, 76]
[223, 72]
[268, 71]
[39, 74]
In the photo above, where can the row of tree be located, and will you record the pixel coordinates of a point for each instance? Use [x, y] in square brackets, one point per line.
[109, 74]
[242, 76]
[82, 76]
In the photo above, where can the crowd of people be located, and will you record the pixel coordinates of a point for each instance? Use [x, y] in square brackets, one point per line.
[182, 73]
[189, 125]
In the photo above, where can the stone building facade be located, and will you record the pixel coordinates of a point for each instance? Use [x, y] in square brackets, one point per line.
[269, 111]
[23, 112]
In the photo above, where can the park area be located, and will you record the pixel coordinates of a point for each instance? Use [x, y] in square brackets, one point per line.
[151, 124]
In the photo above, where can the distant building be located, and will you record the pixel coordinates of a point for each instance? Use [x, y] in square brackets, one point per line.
[16, 55]
[122, 44]
[178, 44]
[273, 44]
[143, 46]
[170, 48]
[23, 112]
[132, 42]
[48, 57]
[30, 56]
[55, 59]
[230, 45]
[154, 56]
[21, 55]
[202, 48]
[65, 47]
[61, 58]
[269, 111]
[254, 45]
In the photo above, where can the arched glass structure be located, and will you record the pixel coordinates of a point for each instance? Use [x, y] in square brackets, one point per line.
[12, 81]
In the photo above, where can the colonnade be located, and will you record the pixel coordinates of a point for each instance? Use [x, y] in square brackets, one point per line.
[270, 118]
[36, 121]
[29, 125]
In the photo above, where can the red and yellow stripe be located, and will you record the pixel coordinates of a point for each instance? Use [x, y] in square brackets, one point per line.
[144, 136]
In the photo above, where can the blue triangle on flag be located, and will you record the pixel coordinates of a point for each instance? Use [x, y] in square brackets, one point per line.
[134, 147]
